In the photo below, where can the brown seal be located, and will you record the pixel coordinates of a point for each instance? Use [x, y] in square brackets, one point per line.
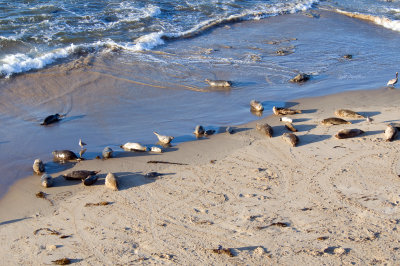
[390, 133]
[265, 129]
[347, 113]
[334, 121]
[285, 111]
[290, 138]
[348, 133]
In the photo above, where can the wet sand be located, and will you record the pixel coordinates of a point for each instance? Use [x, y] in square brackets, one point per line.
[240, 198]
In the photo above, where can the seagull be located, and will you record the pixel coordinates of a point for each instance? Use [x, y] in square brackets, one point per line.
[81, 143]
[393, 81]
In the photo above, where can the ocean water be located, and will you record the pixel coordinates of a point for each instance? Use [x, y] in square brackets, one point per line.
[121, 69]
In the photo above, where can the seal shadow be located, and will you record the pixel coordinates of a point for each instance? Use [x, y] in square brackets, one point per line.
[71, 118]
[357, 121]
[370, 114]
[55, 167]
[309, 111]
[297, 120]
[311, 138]
[371, 133]
[290, 104]
[14, 221]
[222, 130]
[127, 180]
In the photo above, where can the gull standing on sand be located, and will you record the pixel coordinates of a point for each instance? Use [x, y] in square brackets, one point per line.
[81, 143]
[393, 81]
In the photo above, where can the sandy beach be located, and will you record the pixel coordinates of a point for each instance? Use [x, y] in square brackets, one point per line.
[236, 199]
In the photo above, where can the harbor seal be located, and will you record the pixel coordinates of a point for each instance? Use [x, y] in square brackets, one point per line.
[334, 121]
[111, 182]
[156, 149]
[209, 132]
[90, 180]
[265, 129]
[133, 146]
[198, 131]
[107, 153]
[390, 133]
[347, 113]
[256, 106]
[290, 138]
[52, 119]
[38, 167]
[64, 155]
[218, 83]
[163, 139]
[79, 174]
[46, 180]
[348, 133]
[290, 127]
[284, 111]
[299, 78]
[286, 119]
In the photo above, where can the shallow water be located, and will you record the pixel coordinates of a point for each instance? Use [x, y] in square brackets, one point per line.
[113, 97]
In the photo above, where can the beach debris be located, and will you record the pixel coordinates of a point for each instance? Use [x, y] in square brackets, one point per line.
[264, 128]
[42, 195]
[290, 127]
[111, 181]
[279, 224]
[38, 167]
[81, 152]
[79, 174]
[63, 261]
[52, 119]
[256, 106]
[101, 203]
[198, 131]
[97, 157]
[156, 149]
[51, 231]
[90, 180]
[290, 138]
[348, 56]
[393, 81]
[284, 111]
[218, 83]
[334, 121]
[153, 174]
[46, 180]
[163, 139]
[107, 153]
[347, 113]
[301, 77]
[390, 133]
[286, 119]
[348, 133]
[221, 250]
[164, 162]
[81, 143]
[209, 132]
[322, 238]
[64, 155]
[65, 236]
[133, 146]
[230, 130]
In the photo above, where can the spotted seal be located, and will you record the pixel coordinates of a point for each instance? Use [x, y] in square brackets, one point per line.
[264, 128]
[111, 181]
[284, 111]
[347, 113]
[348, 133]
[290, 138]
[46, 180]
[334, 121]
[290, 127]
[65, 155]
[38, 167]
[390, 133]
[107, 153]
[133, 146]
[256, 106]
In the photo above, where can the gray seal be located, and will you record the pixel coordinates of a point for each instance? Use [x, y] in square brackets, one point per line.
[107, 153]
[79, 174]
[347, 113]
[46, 180]
[90, 180]
[52, 119]
[64, 155]
[348, 133]
[334, 121]
[390, 133]
[290, 138]
[265, 129]
[218, 83]
[38, 167]
[284, 111]
[111, 182]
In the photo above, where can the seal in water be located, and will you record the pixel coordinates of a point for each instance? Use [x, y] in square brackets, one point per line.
[290, 138]
[265, 129]
[90, 180]
[163, 139]
[348, 133]
[79, 174]
[256, 106]
[107, 153]
[347, 113]
[218, 83]
[230, 130]
[285, 111]
[64, 155]
[334, 121]
[390, 133]
[198, 131]
[209, 132]
[300, 78]
[38, 167]
[133, 146]
[52, 119]
[111, 182]
[46, 180]
[290, 127]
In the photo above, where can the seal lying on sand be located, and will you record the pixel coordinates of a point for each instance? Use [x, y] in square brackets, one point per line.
[133, 146]
[334, 121]
[256, 106]
[290, 127]
[348, 133]
[265, 129]
[46, 180]
[290, 138]
[218, 83]
[285, 111]
[38, 167]
[111, 182]
[79, 174]
[90, 180]
[107, 153]
[52, 119]
[390, 133]
[163, 139]
[65, 155]
[348, 113]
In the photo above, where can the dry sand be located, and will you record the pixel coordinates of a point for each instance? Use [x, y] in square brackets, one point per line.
[327, 201]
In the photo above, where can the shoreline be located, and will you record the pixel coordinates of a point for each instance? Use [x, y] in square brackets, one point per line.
[340, 197]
